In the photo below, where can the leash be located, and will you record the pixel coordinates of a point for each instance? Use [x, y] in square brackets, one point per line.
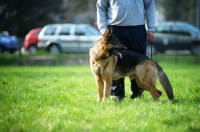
[151, 50]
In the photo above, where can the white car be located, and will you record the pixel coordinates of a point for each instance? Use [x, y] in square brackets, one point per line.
[67, 37]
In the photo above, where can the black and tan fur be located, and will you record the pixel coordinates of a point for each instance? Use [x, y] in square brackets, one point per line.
[109, 60]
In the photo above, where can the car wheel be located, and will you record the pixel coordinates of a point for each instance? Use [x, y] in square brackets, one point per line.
[32, 49]
[54, 48]
[12, 52]
[149, 50]
[2, 49]
[161, 51]
[196, 50]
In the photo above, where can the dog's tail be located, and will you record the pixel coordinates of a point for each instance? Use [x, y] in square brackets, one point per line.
[164, 81]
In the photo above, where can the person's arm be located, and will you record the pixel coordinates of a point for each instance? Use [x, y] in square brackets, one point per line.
[149, 6]
[102, 7]
[150, 14]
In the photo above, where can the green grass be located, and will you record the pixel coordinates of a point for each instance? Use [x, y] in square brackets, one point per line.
[63, 98]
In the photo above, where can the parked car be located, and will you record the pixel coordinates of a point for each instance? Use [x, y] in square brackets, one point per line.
[67, 37]
[31, 40]
[8, 43]
[176, 36]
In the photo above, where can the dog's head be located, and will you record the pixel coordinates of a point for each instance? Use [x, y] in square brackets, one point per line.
[112, 44]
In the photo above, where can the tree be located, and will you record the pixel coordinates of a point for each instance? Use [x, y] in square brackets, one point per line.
[182, 10]
[19, 16]
[80, 11]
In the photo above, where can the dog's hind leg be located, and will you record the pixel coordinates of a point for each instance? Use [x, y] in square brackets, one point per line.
[154, 92]
[159, 92]
[149, 85]
[146, 75]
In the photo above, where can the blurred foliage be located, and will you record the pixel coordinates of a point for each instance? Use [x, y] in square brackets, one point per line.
[182, 10]
[80, 11]
[19, 16]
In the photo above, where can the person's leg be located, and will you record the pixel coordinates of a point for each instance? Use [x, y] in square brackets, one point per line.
[137, 92]
[134, 39]
[137, 40]
[118, 87]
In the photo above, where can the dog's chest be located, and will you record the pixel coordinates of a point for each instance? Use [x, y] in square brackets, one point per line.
[98, 70]
[104, 67]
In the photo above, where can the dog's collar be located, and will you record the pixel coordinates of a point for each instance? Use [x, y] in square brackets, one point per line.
[110, 54]
[105, 57]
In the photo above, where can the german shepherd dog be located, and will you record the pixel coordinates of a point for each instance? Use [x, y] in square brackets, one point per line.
[110, 60]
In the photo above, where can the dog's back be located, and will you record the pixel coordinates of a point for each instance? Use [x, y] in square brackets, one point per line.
[126, 65]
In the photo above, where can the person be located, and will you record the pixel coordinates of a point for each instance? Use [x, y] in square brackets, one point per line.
[127, 19]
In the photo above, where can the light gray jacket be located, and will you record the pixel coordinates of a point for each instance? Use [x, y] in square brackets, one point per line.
[125, 13]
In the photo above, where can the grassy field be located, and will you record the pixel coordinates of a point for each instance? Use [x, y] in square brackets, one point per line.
[63, 99]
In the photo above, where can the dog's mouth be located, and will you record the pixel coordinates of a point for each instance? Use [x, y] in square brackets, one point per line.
[115, 52]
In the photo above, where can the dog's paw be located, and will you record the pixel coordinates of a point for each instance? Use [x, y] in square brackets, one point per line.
[99, 99]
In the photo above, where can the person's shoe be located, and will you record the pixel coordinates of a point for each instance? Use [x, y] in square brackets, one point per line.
[136, 95]
[117, 98]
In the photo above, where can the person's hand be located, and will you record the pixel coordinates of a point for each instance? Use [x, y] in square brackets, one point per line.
[150, 36]
[102, 32]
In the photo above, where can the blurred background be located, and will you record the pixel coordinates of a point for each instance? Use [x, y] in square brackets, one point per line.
[19, 17]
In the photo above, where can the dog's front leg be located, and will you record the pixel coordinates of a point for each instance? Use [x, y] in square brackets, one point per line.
[100, 86]
[107, 86]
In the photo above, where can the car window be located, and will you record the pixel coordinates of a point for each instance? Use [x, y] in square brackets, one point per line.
[65, 31]
[79, 30]
[163, 29]
[50, 31]
[86, 30]
[37, 33]
[192, 28]
[92, 31]
[175, 30]
[179, 30]
[185, 32]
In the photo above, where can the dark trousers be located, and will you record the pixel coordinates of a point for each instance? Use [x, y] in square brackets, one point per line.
[134, 38]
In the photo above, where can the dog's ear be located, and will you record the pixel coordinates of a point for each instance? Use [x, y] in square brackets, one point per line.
[109, 29]
[108, 33]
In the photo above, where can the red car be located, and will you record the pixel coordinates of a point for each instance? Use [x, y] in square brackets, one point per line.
[31, 40]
